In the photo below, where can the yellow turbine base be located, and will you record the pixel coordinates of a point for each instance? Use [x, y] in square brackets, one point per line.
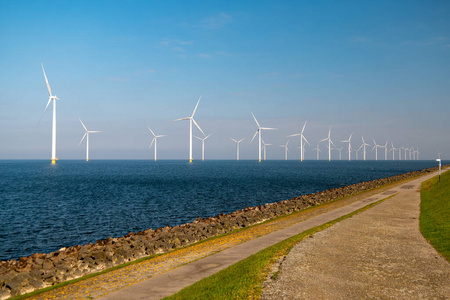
[87, 159]
[259, 160]
[190, 159]
[53, 161]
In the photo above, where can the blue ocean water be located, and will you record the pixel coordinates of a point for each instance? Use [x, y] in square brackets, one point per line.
[45, 207]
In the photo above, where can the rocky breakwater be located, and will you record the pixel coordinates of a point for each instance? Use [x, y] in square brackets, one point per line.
[41, 270]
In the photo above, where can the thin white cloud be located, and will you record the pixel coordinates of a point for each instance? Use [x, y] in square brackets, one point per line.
[217, 21]
[175, 45]
[204, 55]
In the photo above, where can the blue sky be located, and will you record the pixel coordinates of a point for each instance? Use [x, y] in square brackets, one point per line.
[374, 68]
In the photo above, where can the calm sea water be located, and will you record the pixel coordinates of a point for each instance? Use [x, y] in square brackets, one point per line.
[45, 207]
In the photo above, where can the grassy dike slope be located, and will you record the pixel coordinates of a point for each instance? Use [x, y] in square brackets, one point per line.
[435, 213]
[244, 280]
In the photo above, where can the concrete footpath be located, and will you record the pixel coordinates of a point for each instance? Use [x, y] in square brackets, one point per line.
[379, 253]
[172, 281]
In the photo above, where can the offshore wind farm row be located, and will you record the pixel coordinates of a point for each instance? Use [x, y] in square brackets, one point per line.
[403, 153]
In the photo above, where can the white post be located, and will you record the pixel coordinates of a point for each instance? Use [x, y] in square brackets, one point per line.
[190, 140]
[259, 134]
[87, 146]
[54, 133]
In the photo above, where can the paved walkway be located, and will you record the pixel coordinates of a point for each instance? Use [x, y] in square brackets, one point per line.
[166, 274]
[379, 253]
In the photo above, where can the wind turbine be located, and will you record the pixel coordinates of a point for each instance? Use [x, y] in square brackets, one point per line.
[393, 150]
[203, 145]
[302, 137]
[155, 137]
[407, 149]
[191, 120]
[400, 153]
[265, 148]
[50, 98]
[329, 144]
[317, 150]
[237, 147]
[86, 134]
[258, 131]
[376, 149]
[349, 146]
[286, 150]
[364, 144]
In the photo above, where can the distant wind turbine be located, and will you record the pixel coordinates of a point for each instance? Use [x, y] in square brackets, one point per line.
[203, 145]
[286, 150]
[258, 131]
[50, 98]
[155, 139]
[302, 138]
[317, 150]
[329, 144]
[376, 149]
[340, 152]
[191, 120]
[393, 150]
[86, 134]
[364, 144]
[349, 146]
[400, 153]
[237, 147]
[265, 148]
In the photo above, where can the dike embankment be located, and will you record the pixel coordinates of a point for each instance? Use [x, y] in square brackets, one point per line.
[41, 270]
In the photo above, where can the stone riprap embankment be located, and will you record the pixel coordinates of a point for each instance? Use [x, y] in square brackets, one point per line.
[41, 270]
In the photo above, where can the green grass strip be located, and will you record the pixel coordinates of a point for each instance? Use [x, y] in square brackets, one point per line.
[435, 213]
[244, 279]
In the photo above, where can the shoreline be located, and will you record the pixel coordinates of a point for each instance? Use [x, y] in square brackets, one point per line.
[41, 270]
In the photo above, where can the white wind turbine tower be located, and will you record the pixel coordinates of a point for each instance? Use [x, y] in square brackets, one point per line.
[317, 150]
[400, 153]
[86, 134]
[340, 152]
[302, 138]
[329, 144]
[393, 150]
[237, 147]
[191, 120]
[155, 139]
[349, 146]
[286, 150]
[203, 145]
[50, 98]
[385, 150]
[357, 152]
[265, 148]
[417, 154]
[258, 131]
[376, 149]
[364, 144]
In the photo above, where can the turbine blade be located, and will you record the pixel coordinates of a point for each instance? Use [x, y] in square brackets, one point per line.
[46, 81]
[153, 140]
[198, 127]
[306, 140]
[39, 122]
[83, 124]
[267, 128]
[241, 140]
[254, 136]
[151, 130]
[234, 140]
[182, 119]
[198, 138]
[296, 134]
[82, 138]
[255, 120]
[303, 129]
[196, 106]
